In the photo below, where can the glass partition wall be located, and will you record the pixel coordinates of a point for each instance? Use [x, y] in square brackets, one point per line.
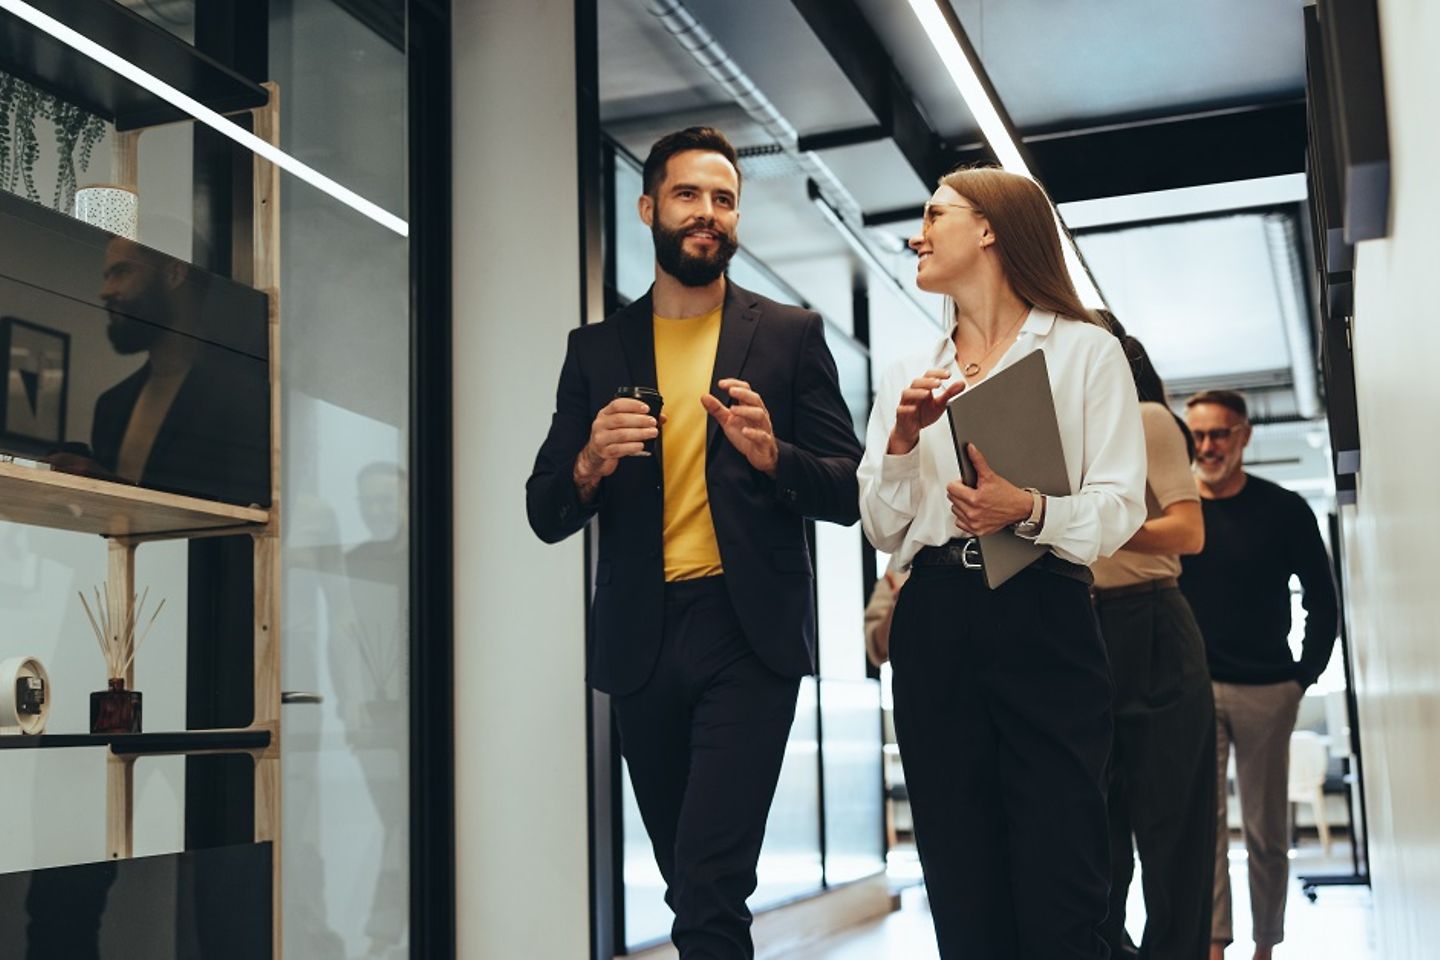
[144, 267]
[826, 825]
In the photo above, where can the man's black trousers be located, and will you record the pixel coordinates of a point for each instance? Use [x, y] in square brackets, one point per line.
[1002, 712]
[704, 740]
[1162, 774]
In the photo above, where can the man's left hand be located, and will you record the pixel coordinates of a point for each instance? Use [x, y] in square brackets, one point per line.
[746, 423]
[993, 504]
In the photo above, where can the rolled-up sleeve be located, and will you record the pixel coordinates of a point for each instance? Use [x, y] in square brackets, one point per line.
[1109, 506]
[889, 485]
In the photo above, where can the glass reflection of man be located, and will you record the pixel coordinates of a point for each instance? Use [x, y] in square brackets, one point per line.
[138, 283]
[370, 663]
[193, 418]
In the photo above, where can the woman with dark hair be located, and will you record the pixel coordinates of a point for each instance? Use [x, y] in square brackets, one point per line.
[1162, 766]
[1002, 697]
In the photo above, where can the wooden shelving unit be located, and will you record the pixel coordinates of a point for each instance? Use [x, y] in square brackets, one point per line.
[62, 501]
[129, 516]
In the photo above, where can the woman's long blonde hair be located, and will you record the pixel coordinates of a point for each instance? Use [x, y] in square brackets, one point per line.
[1027, 237]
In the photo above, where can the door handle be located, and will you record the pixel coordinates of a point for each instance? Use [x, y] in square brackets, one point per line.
[301, 696]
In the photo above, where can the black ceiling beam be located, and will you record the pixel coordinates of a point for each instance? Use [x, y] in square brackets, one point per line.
[1165, 154]
[1115, 160]
[849, 137]
[855, 48]
[881, 218]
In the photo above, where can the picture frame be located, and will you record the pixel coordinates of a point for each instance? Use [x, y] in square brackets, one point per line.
[34, 401]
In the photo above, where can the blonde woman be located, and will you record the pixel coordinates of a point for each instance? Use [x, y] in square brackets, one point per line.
[1003, 697]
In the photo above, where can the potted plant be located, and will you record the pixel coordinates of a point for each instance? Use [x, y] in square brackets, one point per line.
[76, 130]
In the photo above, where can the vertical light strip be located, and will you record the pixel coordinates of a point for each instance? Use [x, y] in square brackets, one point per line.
[966, 76]
[205, 115]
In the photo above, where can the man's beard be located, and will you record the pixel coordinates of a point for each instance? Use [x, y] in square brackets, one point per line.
[689, 269]
[128, 335]
[1216, 471]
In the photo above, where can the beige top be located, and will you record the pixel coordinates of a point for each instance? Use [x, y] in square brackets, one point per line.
[1167, 480]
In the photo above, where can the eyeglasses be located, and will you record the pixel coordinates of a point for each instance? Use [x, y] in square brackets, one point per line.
[1216, 435]
[928, 218]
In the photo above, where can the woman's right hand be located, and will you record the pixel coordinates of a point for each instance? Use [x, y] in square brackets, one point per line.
[919, 407]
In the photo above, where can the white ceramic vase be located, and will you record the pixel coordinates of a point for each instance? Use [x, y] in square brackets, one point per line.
[113, 209]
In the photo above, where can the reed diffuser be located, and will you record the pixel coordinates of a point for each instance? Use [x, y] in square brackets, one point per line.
[116, 709]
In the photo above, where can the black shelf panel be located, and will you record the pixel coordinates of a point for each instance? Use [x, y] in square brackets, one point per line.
[142, 744]
[38, 58]
[204, 904]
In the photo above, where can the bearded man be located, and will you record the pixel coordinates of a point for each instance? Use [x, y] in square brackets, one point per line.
[703, 617]
[1257, 536]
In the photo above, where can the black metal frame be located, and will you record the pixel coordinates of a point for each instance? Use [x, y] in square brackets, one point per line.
[1359, 828]
[432, 712]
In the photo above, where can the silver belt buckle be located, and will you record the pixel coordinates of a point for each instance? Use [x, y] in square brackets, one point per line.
[968, 560]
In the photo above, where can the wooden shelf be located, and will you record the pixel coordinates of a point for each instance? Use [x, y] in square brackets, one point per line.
[38, 58]
[147, 744]
[66, 502]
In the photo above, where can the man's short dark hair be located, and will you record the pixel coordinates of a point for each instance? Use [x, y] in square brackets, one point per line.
[1228, 399]
[691, 138]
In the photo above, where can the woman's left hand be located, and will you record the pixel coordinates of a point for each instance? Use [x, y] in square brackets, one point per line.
[993, 504]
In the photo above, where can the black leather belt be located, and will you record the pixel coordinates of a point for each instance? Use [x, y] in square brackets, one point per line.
[966, 555]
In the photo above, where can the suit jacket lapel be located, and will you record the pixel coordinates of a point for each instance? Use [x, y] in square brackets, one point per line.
[737, 328]
[637, 341]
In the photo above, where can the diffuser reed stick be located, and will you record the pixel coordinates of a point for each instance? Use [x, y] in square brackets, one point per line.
[115, 632]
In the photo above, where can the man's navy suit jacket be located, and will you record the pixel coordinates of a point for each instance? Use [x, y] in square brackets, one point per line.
[759, 522]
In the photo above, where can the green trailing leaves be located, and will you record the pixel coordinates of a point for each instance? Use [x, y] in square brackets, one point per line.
[21, 105]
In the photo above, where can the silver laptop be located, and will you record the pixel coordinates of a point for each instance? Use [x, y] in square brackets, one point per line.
[1011, 419]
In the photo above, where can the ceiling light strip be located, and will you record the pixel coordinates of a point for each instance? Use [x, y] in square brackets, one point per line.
[994, 126]
[205, 115]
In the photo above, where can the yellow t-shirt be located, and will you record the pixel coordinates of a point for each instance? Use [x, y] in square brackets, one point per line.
[684, 364]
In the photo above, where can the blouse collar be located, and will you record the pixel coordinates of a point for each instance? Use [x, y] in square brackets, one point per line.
[1038, 325]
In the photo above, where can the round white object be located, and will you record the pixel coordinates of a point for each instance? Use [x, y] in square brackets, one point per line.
[20, 676]
[113, 209]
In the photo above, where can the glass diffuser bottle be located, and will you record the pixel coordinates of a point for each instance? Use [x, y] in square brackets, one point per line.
[115, 710]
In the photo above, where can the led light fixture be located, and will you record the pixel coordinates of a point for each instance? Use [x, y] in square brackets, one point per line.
[204, 114]
[966, 75]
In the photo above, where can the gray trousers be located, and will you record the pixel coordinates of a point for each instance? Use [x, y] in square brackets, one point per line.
[1257, 721]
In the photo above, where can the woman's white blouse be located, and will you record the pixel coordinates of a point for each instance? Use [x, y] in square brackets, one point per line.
[903, 504]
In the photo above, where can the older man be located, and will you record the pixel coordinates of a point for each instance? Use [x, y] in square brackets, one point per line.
[1257, 535]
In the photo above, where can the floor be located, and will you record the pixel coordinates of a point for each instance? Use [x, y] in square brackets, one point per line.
[1337, 926]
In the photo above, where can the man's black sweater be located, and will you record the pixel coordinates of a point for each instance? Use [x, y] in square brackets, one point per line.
[1239, 586]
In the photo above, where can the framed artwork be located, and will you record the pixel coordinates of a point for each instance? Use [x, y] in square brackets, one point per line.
[37, 370]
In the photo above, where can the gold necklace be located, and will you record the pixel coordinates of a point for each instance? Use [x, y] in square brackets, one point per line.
[971, 369]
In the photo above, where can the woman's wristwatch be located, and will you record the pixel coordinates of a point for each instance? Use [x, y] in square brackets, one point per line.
[1029, 528]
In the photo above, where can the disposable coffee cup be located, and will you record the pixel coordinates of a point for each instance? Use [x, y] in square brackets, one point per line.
[651, 398]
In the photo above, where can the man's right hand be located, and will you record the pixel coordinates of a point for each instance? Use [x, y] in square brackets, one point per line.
[919, 407]
[620, 430]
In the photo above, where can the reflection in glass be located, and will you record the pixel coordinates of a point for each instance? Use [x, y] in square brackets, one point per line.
[126, 364]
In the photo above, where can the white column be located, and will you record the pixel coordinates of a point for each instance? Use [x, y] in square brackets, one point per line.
[1391, 533]
[522, 837]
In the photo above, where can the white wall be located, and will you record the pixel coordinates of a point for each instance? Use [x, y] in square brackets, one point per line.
[1391, 533]
[522, 843]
